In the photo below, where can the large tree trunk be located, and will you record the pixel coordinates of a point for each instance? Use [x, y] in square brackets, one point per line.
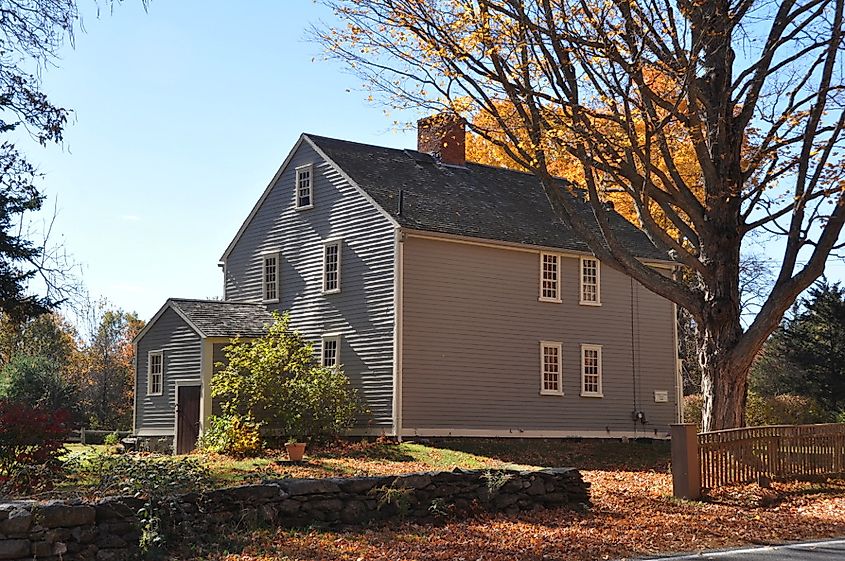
[724, 382]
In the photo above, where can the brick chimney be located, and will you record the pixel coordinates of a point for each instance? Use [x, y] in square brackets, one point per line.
[444, 136]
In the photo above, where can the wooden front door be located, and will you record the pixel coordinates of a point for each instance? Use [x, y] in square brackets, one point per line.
[187, 418]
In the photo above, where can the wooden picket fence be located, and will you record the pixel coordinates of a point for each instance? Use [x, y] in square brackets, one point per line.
[745, 455]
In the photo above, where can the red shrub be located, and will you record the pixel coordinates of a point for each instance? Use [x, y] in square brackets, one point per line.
[30, 436]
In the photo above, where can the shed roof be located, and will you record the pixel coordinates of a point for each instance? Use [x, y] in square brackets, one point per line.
[215, 318]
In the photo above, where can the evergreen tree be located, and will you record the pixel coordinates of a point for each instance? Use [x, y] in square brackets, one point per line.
[806, 355]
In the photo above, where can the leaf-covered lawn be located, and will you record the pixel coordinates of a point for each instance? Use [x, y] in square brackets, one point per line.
[633, 513]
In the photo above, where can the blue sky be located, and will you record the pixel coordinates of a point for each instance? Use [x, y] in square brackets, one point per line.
[182, 114]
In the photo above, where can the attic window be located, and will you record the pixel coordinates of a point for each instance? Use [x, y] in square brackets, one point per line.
[305, 187]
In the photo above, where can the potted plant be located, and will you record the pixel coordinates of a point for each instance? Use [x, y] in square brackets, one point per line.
[295, 448]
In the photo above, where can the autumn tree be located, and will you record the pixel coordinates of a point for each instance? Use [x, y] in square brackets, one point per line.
[105, 366]
[590, 79]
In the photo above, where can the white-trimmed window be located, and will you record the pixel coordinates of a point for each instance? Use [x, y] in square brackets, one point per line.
[155, 372]
[305, 186]
[549, 277]
[331, 266]
[270, 277]
[330, 352]
[590, 281]
[551, 368]
[591, 371]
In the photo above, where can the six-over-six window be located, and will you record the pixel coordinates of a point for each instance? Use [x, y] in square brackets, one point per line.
[330, 355]
[550, 368]
[155, 372]
[270, 277]
[331, 266]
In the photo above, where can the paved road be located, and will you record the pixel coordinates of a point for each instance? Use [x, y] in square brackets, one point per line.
[833, 550]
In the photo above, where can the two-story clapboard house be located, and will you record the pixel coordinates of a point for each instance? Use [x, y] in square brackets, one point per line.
[457, 303]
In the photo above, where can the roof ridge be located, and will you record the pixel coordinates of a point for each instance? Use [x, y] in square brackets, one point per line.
[210, 301]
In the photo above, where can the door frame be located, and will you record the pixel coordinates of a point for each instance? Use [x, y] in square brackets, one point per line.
[177, 385]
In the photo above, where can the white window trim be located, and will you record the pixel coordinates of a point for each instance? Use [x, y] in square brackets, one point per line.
[559, 346]
[326, 243]
[581, 282]
[336, 337]
[559, 258]
[264, 257]
[300, 169]
[600, 393]
[151, 354]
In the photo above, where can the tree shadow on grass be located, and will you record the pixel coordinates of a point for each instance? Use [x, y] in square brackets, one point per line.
[367, 451]
[607, 455]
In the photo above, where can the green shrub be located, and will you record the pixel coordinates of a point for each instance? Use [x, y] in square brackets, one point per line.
[840, 417]
[321, 404]
[232, 435]
[275, 382]
[784, 410]
[693, 405]
[112, 439]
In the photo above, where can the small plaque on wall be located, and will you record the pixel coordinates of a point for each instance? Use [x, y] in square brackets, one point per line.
[661, 396]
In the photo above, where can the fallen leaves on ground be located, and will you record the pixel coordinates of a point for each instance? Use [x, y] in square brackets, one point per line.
[633, 514]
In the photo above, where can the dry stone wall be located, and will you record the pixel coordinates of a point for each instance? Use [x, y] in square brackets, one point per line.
[108, 529]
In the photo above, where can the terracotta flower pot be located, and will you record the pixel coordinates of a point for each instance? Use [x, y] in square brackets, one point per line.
[295, 451]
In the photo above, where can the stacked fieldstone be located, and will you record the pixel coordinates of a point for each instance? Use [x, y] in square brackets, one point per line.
[107, 530]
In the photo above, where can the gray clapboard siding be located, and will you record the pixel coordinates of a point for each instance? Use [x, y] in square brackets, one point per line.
[181, 347]
[472, 325]
[363, 311]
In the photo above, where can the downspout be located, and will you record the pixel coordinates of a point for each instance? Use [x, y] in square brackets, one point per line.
[398, 257]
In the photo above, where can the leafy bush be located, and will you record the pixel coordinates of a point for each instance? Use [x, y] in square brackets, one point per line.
[274, 381]
[784, 410]
[111, 439]
[251, 382]
[321, 404]
[840, 417]
[693, 405]
[31, 441]
[232, 435]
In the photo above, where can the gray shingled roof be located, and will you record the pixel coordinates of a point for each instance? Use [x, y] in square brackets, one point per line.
[224, 319]
[476, 200]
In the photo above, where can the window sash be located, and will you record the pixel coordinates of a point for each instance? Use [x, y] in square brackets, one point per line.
[270, 278]
[155, 372]
[590, 281]
[551, 368]
[591, 371]
[305, 187]
[331, 266]
[549, 277]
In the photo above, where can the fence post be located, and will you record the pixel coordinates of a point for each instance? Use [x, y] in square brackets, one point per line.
[686, 472]
[82, 435]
